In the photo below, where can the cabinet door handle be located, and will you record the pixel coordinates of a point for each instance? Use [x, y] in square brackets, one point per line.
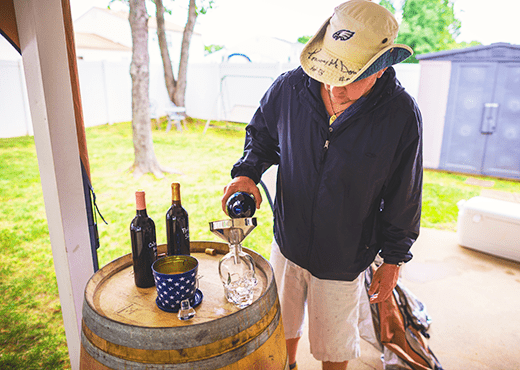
[489, 118]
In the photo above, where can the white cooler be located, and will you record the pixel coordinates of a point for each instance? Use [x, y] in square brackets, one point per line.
[491, 226]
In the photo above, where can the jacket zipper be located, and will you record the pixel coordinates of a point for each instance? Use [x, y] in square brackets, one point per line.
[325, 149]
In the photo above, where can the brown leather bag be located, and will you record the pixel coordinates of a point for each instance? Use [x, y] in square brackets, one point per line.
[401, 325]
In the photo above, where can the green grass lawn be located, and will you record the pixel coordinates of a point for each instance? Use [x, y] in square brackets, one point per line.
[31, 328]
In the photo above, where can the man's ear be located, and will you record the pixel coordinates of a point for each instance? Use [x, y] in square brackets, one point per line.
[380, 73]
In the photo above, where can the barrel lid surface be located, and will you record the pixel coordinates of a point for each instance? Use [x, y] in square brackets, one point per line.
[111, 292]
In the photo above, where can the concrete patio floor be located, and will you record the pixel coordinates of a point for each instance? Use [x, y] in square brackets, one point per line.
[473, 300]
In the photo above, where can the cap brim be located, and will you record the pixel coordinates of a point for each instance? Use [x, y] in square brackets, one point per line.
[393, 54]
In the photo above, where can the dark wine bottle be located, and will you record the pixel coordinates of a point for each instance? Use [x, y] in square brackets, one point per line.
[144, 244]
[240, 205]
[177, 225]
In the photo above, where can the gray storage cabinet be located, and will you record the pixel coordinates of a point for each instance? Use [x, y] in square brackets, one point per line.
[481, 129]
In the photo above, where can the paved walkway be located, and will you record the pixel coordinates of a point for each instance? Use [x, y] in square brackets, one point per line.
[473, 300]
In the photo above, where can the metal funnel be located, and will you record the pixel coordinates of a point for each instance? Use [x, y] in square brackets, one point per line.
[234, 230]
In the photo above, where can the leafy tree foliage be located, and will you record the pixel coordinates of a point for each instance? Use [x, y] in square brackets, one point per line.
[428, 26]
[304, 39]
[208, 49]
[388, 5]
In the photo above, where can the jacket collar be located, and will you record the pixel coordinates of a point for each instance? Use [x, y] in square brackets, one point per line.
[385, 86]
[309, 92]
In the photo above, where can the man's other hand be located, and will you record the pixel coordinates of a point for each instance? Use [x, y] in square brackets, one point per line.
[383, 282]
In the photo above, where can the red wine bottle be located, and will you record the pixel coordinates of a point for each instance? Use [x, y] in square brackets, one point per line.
[144, 244]
[240, 205]
[177, 225]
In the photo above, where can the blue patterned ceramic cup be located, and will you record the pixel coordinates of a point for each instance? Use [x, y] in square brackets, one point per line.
[175, 280]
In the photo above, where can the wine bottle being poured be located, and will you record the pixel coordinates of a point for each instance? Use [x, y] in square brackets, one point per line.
[240, 205]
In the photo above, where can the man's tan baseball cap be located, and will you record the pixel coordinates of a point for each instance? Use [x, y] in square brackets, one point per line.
[356, 42]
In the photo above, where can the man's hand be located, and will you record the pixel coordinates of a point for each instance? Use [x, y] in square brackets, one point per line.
[241, 183]
[383, 282]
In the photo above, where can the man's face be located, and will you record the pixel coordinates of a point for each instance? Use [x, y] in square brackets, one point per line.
[341, 95]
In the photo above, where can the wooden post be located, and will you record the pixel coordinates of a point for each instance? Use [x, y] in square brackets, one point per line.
[44, 53]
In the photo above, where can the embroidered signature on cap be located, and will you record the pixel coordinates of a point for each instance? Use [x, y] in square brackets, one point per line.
[343, 35]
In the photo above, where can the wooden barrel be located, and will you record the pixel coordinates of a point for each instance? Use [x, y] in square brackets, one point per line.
[124, 329]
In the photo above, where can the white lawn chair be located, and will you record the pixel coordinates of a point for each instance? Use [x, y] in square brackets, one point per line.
[175, 114]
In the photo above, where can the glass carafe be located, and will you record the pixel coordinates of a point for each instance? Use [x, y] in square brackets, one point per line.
[237, 272]
[237, 268]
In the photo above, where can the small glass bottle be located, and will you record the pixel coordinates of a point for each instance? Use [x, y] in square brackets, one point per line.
[177, 225]
[186, 312]
[144, 244]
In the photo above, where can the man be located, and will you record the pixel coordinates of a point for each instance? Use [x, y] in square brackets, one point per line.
[347, 138]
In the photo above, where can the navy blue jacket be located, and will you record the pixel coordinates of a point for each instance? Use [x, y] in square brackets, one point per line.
[344, 192]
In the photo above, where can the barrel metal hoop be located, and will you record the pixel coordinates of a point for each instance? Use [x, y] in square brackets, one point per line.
[179, 356]
[179, 338]
[211, 363]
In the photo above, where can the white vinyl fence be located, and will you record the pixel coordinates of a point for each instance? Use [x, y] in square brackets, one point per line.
[226, 91]
[15, 117]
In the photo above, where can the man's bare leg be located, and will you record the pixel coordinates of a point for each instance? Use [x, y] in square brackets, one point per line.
[292, 347]
[334, 365]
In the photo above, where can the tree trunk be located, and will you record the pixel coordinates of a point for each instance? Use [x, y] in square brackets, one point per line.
[169, 78]
[145, 160]
[176, 89]
[180, 91]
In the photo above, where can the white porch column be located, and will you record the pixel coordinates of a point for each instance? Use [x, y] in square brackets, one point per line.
[44, 53]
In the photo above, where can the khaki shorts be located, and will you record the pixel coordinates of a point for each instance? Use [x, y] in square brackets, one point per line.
[333, 309]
